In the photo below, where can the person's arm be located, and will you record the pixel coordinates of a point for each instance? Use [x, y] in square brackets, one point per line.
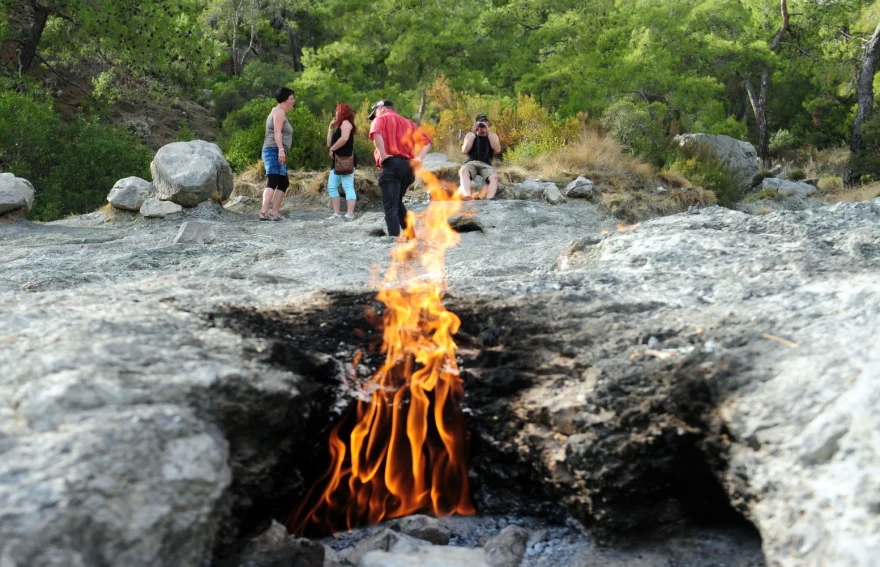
[380, 146]
[278, 121]
[468, 142]
[343, 138]
[330, 133]
[425, 150]
[495, 142]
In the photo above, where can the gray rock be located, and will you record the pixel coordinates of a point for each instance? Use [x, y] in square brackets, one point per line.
[426, 557]
[814, 181]
[508, 548]
[194, 232]
[581, 188]
[385, 540]
[276, 548]
[740, 158]
[189, 173]
[788, 188]
[242, 204]
[154, 208]
[532, 189]
[129, 194]
[422, 527]
[776, 169]
[436, 161]
[553, 196]
[16, 195]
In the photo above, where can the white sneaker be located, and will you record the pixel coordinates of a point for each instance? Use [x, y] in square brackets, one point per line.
[348, 217]
[334, 216]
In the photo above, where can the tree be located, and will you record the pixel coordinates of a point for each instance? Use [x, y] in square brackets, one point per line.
[865, 91]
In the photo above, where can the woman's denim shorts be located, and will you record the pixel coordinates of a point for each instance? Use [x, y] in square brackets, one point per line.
[270, 160]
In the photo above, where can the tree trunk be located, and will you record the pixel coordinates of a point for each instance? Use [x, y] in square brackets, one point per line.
[295, 47]
[421, 106]
[759, 100]
[865, 91]
[759, 108]
[28, 20]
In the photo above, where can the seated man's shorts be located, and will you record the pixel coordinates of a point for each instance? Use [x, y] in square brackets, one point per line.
[476, 168]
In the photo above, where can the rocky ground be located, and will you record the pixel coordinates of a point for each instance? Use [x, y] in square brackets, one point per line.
[161, 402]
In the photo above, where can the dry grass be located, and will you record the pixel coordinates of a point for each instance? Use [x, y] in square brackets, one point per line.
[816, 163]
[852, 194]
[305, 185]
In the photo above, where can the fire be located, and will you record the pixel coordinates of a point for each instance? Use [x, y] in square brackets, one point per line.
[404, 449]
[624, 227]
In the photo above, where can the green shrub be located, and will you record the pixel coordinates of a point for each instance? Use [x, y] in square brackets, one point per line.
[702, 167]
[760, 177]
[634, 127]
[243, 131]
[258, 80]
[72, 167]
[781, 140]
[866, 162]
[797, 175]
[831, 183]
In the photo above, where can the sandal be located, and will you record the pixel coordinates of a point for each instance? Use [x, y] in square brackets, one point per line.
[265, 217]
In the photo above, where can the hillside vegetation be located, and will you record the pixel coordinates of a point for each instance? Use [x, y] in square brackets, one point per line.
[603, 84]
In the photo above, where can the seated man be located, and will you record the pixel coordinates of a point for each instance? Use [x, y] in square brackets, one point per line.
[480, 145]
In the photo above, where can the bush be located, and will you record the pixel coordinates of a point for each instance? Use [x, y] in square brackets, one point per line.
[760, 177]
[243, 131]
[866, 162]
[703, 168]
[831, 183]
[796, 175]
[258, 80]
[781, 140]
[72, 167]
[633, 126]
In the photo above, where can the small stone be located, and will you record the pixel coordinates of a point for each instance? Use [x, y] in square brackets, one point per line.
[384, 540]
[507, 548]
[653, 342]
[154, 208]
[581, 188]
[422, 527]
[553, 196]
[194, 232]
[660, 189]
[129, 194]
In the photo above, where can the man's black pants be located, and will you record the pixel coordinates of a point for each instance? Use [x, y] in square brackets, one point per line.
[396, 177]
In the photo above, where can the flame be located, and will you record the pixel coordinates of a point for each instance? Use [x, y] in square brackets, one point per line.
[623, 227]
[405, 450]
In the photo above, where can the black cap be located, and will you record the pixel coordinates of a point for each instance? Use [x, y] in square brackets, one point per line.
[481, 118]
[383, 102]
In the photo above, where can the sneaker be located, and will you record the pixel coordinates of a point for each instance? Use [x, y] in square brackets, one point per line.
[348, 217]
[334, 216]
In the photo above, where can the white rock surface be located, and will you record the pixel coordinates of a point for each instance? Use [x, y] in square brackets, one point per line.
[739, 157]
[426, 557]
[189, 173]
[194, 232]
[788, 188]
[129, 194]
[436, 161]
[154, 208]
[16, 194]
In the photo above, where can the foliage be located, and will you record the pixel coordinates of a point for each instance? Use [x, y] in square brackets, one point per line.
[866, 163]
[73, 177]
[258, 80]
[797, 175]
[243, 132]
[831, 184]
[633, 126]
[703, 168]
[781, 140]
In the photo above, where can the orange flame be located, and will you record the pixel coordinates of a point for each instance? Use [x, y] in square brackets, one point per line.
[624, 227]
[406, 450]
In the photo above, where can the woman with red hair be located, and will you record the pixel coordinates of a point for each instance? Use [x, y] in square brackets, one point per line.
[340, 140]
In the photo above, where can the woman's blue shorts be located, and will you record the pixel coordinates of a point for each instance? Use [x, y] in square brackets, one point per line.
[270, 160]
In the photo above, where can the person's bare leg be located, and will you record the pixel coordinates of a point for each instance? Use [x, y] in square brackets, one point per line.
[267, 199]
[464, 177]
[493, 186]
[349, 205]
[335, 202]
[276, 202]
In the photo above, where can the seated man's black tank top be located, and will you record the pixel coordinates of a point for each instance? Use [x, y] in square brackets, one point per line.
[481, 150]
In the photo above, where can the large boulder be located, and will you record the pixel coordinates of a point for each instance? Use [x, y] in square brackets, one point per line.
[740, 158]
[788, 188]
[129, 194]
[189, 173]
[16, 195]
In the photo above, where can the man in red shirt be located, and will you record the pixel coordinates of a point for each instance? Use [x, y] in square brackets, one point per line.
[398, 141]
